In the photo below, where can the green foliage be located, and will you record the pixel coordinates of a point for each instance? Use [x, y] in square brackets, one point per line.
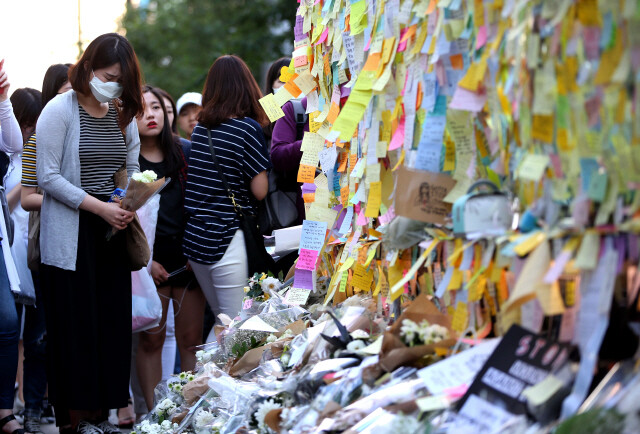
[597, 421]
[240, 348]
[177, 40]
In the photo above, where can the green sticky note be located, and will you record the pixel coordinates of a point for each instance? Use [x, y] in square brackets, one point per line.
[597, 186]
[343, 281]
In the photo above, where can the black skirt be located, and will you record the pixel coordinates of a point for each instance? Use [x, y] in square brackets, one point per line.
[88, 313]
[167, 251]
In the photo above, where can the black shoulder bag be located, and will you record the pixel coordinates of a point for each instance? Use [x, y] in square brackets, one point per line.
[258, 260]
[279, 208]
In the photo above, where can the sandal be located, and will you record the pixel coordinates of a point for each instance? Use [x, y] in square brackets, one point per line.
[6, 420]
[126, 422]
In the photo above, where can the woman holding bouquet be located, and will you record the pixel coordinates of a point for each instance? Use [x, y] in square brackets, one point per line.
[162, 152]
[84, 136]
[213, 242]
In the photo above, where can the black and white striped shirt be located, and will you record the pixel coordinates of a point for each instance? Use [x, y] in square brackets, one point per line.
[242, 154]
[102, 151]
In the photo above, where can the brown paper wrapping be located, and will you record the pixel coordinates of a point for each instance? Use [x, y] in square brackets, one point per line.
[395, 353]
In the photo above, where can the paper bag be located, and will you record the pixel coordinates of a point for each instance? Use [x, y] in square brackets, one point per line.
[419, 195]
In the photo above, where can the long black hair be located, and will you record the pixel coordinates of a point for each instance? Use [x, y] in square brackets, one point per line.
[169, 142]
[27, 105]
[55, 77]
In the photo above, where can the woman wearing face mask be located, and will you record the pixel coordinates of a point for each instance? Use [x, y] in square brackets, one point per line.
[160, 152]
[84, 137]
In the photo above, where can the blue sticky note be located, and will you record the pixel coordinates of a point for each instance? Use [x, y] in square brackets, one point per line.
[313, 234]
[587, 167]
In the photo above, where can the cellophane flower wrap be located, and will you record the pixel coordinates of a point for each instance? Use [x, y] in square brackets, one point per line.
[141, 187]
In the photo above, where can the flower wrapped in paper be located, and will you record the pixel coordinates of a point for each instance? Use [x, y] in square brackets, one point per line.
[137, 190]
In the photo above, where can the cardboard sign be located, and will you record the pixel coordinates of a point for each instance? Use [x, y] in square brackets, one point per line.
[419, 195]
[522, 359]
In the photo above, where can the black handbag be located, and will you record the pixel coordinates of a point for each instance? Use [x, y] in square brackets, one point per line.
[278, 210]
[258, 260]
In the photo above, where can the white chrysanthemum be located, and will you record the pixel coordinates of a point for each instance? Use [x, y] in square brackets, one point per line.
[262, 412]
[271, 338]
[409, 330]
[203, 356]
[166, 425]
[147, 176]
[167, 405]
[270, 283]
[204, 419]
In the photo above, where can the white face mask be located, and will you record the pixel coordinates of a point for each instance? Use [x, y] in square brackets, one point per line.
[105, 92]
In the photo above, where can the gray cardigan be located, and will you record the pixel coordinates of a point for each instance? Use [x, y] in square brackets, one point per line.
[58, 171]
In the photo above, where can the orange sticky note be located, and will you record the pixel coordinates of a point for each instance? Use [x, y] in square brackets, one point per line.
[353, 159]
[292, 88]
[344, 195]
[343, 162]
[372, 62]
[309, 197]
[306, 173]
[457, 62]
[334, 111]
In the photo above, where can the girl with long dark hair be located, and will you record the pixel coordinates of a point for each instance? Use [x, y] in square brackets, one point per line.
[213, 242]
[161, 151]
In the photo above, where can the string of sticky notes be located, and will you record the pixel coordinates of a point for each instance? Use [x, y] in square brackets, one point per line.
[537, 97]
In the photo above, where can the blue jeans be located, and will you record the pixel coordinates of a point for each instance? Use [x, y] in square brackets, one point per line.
[9, 335]
[34, 341]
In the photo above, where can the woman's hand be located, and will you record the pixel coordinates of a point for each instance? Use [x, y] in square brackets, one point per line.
[4, 83]
[158, 273]
[114, 215]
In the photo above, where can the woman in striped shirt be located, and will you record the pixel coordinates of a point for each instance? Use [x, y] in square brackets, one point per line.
[84, 137]
[212, 241]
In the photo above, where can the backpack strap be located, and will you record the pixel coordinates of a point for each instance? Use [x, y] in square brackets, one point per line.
[300, 116]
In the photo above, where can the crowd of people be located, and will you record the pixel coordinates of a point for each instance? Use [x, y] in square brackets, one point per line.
[65, 287]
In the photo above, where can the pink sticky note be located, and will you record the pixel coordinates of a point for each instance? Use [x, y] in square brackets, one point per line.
[557, 165]
[323, 36]
[456, 392]
[303, 279]
[247, 304]
[362, 220]
[388, 216]
[307, 259]
[464, 99]
[481, 37]
[556, 269]
[398, 137]
[402, 45]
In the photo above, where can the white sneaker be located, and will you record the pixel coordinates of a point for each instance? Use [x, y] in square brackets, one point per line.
[108, 428]
[85, 427]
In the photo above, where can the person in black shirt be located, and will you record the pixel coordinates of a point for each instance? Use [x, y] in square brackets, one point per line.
[160, 152]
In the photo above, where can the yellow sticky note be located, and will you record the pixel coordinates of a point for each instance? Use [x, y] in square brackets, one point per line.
[456, 280]
[305, 82]
[374, 200]
[449, 156]
[587, 256]
[271, 107]
[362, 279]
[533, 166]
[282, 96]
[530, 243]
[460, 317]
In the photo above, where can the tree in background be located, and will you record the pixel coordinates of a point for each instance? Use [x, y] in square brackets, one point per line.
[177, 40]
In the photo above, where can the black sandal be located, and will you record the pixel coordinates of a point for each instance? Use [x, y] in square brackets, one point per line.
[6, 420]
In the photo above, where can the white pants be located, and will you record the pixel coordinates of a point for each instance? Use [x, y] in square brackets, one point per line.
[223, 282]
[170, 345]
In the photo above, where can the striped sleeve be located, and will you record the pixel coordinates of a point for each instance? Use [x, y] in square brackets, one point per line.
[256, 157]
[29, 178]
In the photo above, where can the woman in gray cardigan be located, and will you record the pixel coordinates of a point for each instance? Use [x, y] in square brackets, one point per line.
[83, 137]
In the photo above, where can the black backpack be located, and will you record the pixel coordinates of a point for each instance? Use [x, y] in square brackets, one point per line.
[278, 210]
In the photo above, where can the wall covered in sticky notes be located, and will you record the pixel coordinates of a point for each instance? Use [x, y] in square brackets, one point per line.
[411, 102]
